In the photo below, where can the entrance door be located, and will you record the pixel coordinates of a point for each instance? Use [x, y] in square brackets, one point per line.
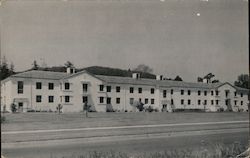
[20, 106]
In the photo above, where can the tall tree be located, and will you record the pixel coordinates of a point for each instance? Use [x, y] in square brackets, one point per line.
[178, 78]
[243, 81]
[35, 66]
[5, 71]
[143, 68]
[69, 64]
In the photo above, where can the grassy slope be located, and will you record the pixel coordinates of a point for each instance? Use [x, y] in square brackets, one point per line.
[27, 121]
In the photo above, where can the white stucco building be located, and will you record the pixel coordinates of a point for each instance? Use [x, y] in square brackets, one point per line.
[44, 90]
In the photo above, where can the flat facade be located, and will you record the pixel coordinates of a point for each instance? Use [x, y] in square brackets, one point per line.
[44, 90]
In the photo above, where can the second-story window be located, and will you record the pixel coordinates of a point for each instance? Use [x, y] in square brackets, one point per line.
[101, 88]
[118, 100]
[85, 99]
[101, 99]
[189, 92]
[152, 101]
[182, 92]
[38, 98]
[205, 93]
[152, 90]
[217, 102]
[164, 93]
[51, 99]
[172, 91]
[118, 89]
[38, 85]
[241, 94]
[108, 100]
[108, 88]
[216, 93]
[131, 90]
[20, 87]
[235, 102]
[212, 93]
[85, 87]
[51, 86]
[235, 94]
[139, 90]
[199, 92]
[66, 85]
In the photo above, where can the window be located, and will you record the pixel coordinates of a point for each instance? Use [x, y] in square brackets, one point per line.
[131, 90]
[164, 93]
[199, 102]
[217, 93]
[235, 94]
[205, 93]
[205, 102]
[182, 101]
[101, 99]
[139, 90]
[172, 102]
[226, 102]
[189, 92]
[140, 100]
[67, 99]
[212, 93]
[199, 92]
[118, 89]
[152, 90]
[146, 100]
[235, 102]
[241, 94]
[217, 102]
[241, 103]
[182, 92]
[131, 100]
[66, 86]
[108, 100]
[152, 101]
[85, 99]
[226, 93]
[38, 85]
[85, 87]
[108, 88]
[101, 87]
[51, 86]
[38, 98]
[20, 87]
[51, 99]
[118, 100]
[212, 102]
[189, 101]
[172, 91]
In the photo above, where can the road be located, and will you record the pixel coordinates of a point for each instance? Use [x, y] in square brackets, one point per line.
[130, 139]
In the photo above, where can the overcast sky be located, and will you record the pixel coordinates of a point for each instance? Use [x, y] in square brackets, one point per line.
[189, 38]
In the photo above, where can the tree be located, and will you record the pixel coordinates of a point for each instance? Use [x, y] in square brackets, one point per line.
[35, 66]
[178, 78]
[243, 81]
[59, 108]
[143, 68]
[199, 79]
[69, 64]
[5, 71]
[209, 76]
[215, 81]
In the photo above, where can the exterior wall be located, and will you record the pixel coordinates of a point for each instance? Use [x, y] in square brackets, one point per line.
[28, 97]
[76, 93]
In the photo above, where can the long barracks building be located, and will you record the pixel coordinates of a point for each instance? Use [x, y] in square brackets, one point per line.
[44, 90]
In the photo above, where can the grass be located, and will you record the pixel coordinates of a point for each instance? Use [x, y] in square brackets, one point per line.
[217, 151]
[34, 121]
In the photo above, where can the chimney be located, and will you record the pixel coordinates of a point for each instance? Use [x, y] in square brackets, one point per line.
[136, 75]
[159, 77]
[71, 70]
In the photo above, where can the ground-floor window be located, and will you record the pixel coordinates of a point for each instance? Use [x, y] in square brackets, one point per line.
[182, 101]
[212, 102]
[101, 99]
[118, 100]
[85, 99]
[152, 101]
[217, 102]
[189, 101]
[205, 102]
[108, 100]
[241, 103]
[199, 102]
[38, 98]
[131, 100]
[146, 100]
[235, 102]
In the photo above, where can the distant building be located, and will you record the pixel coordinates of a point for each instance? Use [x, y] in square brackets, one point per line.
[44, 90]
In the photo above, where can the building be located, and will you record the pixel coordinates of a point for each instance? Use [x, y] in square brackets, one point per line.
[43, 91]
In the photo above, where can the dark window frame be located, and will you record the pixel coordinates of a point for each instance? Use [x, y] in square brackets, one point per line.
[38, 85]
[51, 86]
[20, 87]
[51, 99]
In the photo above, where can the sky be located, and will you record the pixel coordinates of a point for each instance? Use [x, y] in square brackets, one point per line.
[189, 38]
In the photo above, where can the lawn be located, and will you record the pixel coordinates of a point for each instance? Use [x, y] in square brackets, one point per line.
[28, 121]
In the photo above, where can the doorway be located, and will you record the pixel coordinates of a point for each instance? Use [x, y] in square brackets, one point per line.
[20, 107]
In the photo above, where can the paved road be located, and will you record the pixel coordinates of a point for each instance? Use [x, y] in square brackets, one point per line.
[131, 139]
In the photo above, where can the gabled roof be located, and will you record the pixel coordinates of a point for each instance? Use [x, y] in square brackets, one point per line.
[153, 82]
[36, 74]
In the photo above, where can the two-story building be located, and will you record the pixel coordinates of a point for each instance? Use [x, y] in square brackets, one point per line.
[44, 90]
